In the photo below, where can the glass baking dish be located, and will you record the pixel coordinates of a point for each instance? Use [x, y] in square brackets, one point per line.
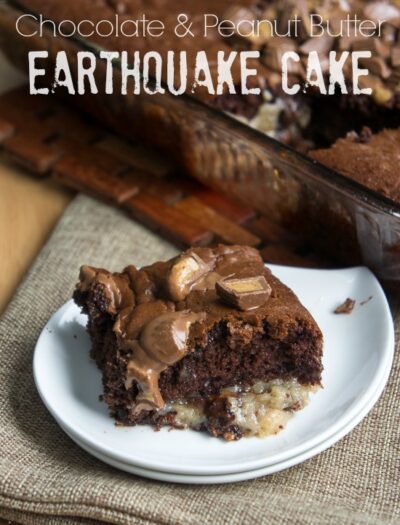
[330, 212]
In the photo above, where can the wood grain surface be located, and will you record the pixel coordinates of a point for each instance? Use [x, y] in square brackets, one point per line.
[29, 208]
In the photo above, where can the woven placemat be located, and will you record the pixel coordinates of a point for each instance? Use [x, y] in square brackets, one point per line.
[46, 479]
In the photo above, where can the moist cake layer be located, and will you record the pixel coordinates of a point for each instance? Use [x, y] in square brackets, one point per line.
[185, 342]
[370, 159]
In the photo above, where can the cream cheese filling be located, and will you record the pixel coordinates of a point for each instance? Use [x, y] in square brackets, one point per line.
[261, 410]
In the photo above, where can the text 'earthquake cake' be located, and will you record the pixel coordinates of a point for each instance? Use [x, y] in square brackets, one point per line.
[318, 110]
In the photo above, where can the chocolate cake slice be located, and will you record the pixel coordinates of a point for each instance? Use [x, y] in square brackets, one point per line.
[209, 340]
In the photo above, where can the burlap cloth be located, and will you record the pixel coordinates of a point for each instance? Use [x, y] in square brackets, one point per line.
[46, 479]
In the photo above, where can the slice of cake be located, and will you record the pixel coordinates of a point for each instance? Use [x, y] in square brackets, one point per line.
[209, 340]
[372, 159]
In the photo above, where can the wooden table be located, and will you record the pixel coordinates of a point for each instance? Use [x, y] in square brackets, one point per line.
[29, 208]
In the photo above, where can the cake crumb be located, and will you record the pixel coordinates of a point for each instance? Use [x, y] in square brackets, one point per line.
[346, 307]
[366, 301]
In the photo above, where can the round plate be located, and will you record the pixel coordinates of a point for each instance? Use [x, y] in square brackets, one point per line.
[240, 476]
[358, 352]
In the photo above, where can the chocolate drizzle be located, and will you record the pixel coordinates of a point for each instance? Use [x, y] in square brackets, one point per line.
[163, 342]
[156, 338]
[161, 312]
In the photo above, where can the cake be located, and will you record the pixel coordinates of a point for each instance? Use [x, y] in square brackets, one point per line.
[305, 121]
[372, 159]
[210, 340]
[310, 119]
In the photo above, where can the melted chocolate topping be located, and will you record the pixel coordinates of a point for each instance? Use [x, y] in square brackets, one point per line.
[163, 342]
[165, 310]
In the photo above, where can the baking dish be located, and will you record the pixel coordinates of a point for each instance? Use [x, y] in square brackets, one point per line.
[328, 211]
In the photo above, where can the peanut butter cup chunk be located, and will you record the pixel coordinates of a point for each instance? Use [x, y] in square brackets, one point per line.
[245, 294]
[209, 340]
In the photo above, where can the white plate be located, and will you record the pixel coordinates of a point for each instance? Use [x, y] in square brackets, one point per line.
[358, 352]
[240, 476]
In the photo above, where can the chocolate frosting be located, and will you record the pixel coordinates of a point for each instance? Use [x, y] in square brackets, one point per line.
[371, 159]
[165, 310]
[163, 342]
[115, 287]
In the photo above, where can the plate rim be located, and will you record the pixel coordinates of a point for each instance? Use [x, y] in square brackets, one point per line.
[384, 364]
[236, 477]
